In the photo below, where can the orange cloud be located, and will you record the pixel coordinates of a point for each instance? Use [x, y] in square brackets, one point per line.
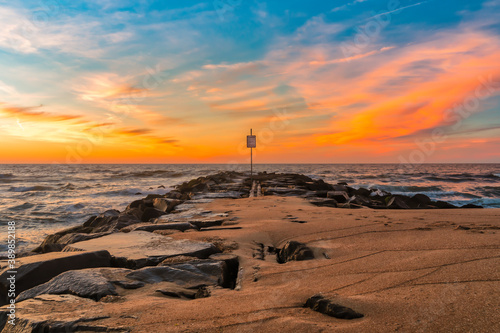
[412, 90]
[30, 114]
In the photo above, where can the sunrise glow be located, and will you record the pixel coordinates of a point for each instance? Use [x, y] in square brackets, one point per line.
[144, 82]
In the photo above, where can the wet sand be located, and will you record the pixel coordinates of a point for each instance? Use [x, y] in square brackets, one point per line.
[405, 270]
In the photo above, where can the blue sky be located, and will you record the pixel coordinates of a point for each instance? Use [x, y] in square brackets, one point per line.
[165, 81]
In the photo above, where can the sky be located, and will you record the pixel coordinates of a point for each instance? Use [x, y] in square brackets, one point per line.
[357, 81]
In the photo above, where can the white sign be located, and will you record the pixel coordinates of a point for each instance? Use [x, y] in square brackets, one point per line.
[251, 141]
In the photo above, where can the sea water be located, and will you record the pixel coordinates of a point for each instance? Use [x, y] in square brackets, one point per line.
[42, 199]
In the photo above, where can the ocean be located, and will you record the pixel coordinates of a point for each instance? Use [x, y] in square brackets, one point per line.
[42, 199]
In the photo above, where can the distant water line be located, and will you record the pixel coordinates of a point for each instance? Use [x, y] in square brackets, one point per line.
[45, 198]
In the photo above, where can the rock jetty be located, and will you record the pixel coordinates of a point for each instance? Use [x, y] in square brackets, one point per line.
[117, 252]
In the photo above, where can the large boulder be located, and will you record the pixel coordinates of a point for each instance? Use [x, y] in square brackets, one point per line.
[138, 249]
[38, 269]
[94, 227]
[360, 191]
[61, 242]
[50, 243]
[166, 205]
[471, 206]
[444, 205]
[151, 213]
[102, 220]
[398, 202]
[83, 283]
[422, 200]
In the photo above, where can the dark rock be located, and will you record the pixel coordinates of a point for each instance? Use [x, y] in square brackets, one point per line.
[35, 270]
[153, 196]
[294, 250]
[178, 292]
[151, 213]
[339, 196]
[166, 205]
[206, 223]
[326, 306]
[135, 212]
[129, 284]
[362, 200]
[138, 249]
[232, 264]
[462, 227]
[321, 194]
[360, 192]
[83, 283]
[181, 226]
[103, 219]
[323, 202]
[78, 237]
[471, 206]
[444, 205]
[422, 199]
[214, 268]
[136, 204]
[285, 191]
[316, 185]
[50, 244]
[186, 275]
[174, 195]
[398, 202]
[340, 188]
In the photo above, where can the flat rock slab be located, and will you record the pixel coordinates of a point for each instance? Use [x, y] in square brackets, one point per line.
[178, 292]
[38, 269]
[57, 313]
[140, 248]
[207, 223]
[181, 226]
[84, 283]
[188, 275]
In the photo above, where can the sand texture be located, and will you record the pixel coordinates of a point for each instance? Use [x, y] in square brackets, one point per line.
[404, 270]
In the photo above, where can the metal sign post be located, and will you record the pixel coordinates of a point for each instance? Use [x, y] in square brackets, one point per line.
[251, 143]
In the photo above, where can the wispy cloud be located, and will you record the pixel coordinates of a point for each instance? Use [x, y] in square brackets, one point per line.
[71, 35]
[397, 10]
[346, 6]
